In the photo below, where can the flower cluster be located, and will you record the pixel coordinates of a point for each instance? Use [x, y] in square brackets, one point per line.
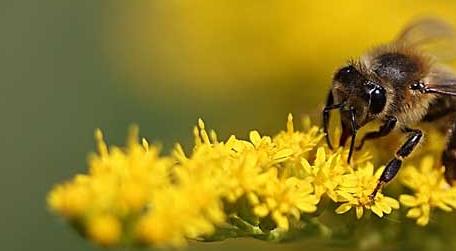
[264, 187]
[431, 191]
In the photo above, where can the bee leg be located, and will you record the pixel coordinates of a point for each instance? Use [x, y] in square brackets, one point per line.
[329, 103]
[449, 156]
[394, 165]
[329, 106]
[354, 130]
[384, 130]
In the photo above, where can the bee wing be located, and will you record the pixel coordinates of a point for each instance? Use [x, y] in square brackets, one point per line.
[442, 80]
[432, 35]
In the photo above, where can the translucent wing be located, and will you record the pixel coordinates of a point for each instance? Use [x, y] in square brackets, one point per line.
[431, 35]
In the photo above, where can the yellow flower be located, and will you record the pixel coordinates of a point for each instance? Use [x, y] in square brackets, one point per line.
[71, 199]
[355, 189]
[121, 180]
[286, 198]
[178, 213]
[300, 142]
[106, 230]
[430, 190]
[260, 187]
[252, 168]
[135, 186]
[326, 172]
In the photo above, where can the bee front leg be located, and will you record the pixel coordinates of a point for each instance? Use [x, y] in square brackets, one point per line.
[326, 110]
[384, 130]
[328, 107]
[394, 165]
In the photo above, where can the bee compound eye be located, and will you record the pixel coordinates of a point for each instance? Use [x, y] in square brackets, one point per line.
[377, 99]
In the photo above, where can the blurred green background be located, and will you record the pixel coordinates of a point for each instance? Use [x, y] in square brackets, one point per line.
[68, 67]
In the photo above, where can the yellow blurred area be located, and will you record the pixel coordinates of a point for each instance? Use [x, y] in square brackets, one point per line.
[232, 46]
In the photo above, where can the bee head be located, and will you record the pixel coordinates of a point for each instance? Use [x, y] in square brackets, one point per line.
[365, 97]
[359, 99]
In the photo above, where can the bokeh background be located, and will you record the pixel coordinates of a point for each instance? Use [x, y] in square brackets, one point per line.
[68, 67]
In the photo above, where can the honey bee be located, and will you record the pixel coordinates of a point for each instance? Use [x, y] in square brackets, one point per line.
[399, 84]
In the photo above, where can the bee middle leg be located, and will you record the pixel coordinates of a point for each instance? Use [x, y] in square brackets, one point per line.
[394, 165]
[384, 130]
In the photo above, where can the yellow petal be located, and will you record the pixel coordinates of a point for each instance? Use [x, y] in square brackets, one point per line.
[201, 123]
[384, 207]
[290, 128]
[255, 137]
[414, 213]
[307, 207]
[272, 203]
[426, 209]
[393, 203]
[283, 154]
[350, 181]
[321, 156]
[451, 201]
[332, 195]
[345, 195]
[280, 220]
[408, 200]
[444, 207]
[423, 220]
[253, 198]
[295, 213]
[343, 208]
[306, 166]
[359, 212]
[379, 172]
[261, 210]
[377, 210]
